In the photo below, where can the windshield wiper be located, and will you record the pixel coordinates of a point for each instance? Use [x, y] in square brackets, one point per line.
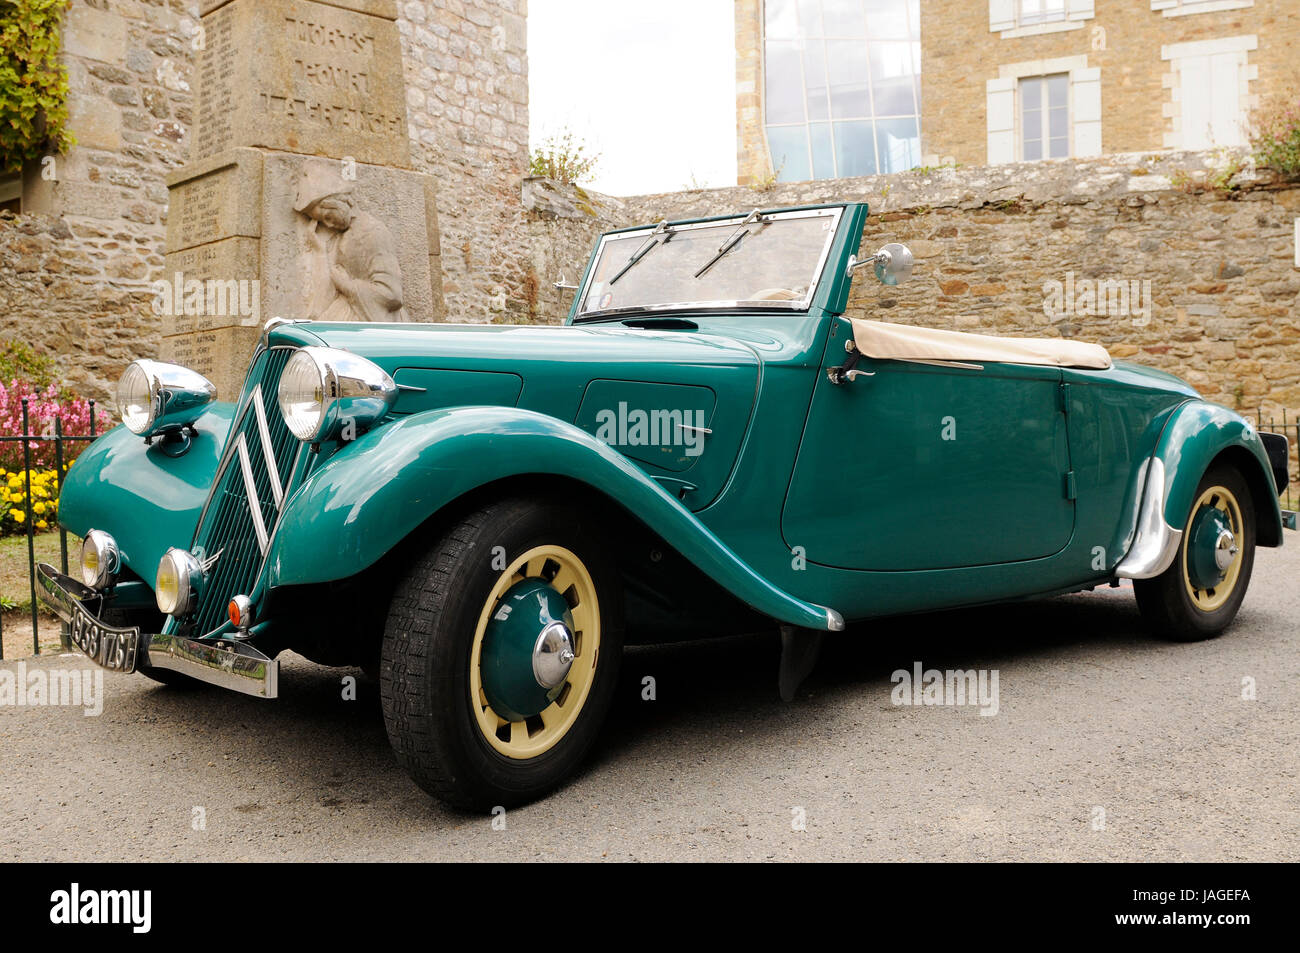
[660, 235]
[753, 218]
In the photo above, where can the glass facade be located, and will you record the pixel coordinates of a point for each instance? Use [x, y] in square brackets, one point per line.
[842, 87]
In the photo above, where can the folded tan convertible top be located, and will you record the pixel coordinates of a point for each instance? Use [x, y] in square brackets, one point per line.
[898, 342]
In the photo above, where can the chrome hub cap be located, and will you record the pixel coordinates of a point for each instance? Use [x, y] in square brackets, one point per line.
[1225, 550]
[553, 655]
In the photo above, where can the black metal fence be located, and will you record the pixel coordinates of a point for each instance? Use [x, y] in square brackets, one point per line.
[60, 441]
[1289, 427]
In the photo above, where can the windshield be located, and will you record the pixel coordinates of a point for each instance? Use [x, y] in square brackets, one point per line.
[760, 261]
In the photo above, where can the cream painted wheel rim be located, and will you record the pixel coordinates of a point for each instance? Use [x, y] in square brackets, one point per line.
[1221, 498]
[536, 735]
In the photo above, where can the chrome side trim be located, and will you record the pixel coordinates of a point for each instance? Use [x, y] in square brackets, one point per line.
[268, 451]
[834, 621]
[1156, 543]
[250, 488]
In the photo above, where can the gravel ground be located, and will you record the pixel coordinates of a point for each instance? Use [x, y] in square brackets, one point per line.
[1094, 716]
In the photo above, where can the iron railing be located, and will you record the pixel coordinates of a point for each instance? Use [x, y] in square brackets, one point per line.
[60, 440]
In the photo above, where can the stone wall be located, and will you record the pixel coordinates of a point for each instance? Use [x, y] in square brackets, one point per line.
[75, 270]
[1224, 287]
[53, 297]
[466, 67]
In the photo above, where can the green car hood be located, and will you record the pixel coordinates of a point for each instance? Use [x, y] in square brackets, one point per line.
[677, 403]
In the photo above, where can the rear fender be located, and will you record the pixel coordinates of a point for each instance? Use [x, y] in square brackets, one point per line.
[1196, 436]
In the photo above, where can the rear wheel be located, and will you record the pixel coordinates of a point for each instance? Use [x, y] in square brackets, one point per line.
[501, 654]
[1198, 596]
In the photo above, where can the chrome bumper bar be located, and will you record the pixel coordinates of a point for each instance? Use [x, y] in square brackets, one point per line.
[226, 664]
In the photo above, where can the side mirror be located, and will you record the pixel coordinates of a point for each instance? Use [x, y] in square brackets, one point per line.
[893, 263]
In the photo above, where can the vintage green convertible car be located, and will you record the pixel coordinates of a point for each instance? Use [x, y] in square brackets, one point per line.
[484, 515]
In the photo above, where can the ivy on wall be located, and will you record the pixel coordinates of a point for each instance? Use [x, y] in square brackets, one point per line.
[33, 83]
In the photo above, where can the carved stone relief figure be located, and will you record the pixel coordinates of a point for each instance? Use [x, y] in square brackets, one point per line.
[348, 260]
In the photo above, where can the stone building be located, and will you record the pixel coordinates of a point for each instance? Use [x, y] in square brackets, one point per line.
[856, 87]
[77, 265]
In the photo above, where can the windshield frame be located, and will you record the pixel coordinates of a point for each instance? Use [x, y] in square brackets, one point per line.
[834, 212]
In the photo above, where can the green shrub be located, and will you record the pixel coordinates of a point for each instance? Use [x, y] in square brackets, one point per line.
[1276, 138]
[18, 361]
[562, 158]
[33, 83]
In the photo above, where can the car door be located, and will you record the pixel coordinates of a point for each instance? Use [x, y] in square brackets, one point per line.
[932, 466]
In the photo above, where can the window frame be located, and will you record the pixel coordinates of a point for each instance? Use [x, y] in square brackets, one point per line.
[911, 13]
[1045, 119]
[1043, 18]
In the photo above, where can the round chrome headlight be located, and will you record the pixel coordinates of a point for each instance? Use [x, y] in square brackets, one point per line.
[153, 397]
[322, 389]
[177, 585]
[100, 560]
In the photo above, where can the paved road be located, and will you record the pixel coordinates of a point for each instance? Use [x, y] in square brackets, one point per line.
[1093, 714]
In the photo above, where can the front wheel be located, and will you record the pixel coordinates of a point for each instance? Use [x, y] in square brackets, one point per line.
[1198, 596]
[501, 654]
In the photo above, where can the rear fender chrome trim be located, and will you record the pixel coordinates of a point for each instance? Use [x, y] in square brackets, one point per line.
[1156, 543]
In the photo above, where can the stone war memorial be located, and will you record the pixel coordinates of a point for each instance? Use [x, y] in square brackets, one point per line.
[299, 200]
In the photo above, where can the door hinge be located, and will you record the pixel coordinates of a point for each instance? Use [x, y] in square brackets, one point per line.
[1070, 492]
[1065, 398]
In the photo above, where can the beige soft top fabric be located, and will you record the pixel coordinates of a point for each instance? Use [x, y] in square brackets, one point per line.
[898, 342]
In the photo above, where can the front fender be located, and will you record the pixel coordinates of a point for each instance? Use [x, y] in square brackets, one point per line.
[374, 492]
[1197, 433]
[147, 500]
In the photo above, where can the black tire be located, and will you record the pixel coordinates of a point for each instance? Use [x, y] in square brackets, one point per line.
[149, 621]
[1167, 606]
[428, 643]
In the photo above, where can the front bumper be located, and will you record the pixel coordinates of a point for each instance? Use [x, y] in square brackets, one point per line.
[227, 664]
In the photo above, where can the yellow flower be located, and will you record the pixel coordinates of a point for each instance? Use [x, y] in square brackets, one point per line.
[42, 524]
[38, 508]
[18, 515]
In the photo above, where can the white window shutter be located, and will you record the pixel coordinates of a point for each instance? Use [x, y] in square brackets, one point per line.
[1001, 94]
[1163, 4]
[1085, 111]
[1002, 15]
[1081, 9]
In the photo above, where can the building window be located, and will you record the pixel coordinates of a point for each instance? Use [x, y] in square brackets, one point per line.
[1019, 18]
[1044, 109]
[842, 87]
[11, 193]
[1033, 12]
[1045, 117]
[1210, 92]
[1178, 8]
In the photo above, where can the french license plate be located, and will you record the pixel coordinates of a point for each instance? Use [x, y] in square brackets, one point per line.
[114, 649]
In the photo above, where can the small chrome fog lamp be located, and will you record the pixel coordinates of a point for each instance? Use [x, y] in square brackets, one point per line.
[177, 587]
[100, 560]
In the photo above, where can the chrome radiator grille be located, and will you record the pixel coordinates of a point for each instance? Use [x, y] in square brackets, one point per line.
[241, 515]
